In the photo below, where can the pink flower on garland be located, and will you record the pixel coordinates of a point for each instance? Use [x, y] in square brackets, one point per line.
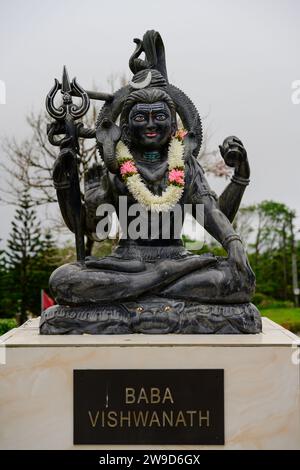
[176, 176]
[128, 168]
[180, 134]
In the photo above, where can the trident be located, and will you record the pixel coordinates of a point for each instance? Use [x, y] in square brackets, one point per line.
[65, 116]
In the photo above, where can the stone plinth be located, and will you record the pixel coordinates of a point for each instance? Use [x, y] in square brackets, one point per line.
[261, 382]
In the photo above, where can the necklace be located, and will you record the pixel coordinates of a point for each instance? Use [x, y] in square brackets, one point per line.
[137, 187]
[152, 156]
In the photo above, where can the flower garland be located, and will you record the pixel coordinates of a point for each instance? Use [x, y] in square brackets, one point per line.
[137, 187]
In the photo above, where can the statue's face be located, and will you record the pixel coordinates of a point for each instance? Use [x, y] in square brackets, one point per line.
[150, 125]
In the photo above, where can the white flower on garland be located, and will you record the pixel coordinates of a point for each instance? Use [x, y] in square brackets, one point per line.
[137, 187]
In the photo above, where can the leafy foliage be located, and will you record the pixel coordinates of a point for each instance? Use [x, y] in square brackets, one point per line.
[272, 247]
[28, 262]
[7, 324]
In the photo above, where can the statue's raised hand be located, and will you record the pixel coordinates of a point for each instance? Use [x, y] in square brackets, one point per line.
[235, 155]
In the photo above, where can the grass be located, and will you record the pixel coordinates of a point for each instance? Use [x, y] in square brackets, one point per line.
[289, 318]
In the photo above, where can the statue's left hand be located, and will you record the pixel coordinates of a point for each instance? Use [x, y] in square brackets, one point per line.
[235, 155]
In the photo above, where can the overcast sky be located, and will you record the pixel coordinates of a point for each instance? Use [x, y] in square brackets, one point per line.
[236, 59]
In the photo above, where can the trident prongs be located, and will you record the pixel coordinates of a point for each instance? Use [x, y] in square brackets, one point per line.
[68, 107]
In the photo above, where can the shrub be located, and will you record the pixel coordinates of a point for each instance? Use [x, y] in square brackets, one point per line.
[259, 298]
[7, 324]
[264, 301]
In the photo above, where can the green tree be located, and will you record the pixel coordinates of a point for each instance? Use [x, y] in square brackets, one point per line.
[268, 229]
[4, 298]
[29, 258]
[272, 248]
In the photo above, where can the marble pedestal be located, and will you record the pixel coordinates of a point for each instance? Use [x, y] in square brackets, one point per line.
[261, 372]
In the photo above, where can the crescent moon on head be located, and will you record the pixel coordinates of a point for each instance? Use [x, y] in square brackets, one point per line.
[143, 84]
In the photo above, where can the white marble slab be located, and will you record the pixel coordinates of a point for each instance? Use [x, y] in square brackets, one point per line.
[262, 386]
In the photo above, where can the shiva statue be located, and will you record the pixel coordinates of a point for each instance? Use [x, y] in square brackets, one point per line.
[150, 283]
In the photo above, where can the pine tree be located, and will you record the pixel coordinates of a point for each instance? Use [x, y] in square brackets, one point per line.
[26, 247]
[3, 280]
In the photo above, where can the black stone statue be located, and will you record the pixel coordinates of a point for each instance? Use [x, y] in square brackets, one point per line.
[150, 173]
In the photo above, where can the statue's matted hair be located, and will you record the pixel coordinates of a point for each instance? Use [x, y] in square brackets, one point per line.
[146, 95]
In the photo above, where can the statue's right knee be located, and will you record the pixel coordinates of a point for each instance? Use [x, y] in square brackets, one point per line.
[58, 282]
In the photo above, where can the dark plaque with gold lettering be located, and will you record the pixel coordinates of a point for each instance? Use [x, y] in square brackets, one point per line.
[149, 406]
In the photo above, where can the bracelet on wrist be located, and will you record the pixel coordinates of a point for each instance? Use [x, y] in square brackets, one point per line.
[230, 239]
[240, 180]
